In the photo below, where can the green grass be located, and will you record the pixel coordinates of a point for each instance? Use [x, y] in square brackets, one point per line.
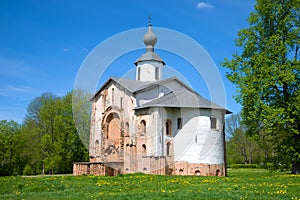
[241, 184]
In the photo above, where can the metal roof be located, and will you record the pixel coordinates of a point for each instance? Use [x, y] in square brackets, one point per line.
[149, 56]
[182, 99]
[185, 97]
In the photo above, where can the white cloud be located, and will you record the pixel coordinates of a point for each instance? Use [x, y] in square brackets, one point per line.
[26, 89]
[202, 5]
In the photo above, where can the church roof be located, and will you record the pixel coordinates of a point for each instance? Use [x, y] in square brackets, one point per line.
[184, 97]
[149, 56]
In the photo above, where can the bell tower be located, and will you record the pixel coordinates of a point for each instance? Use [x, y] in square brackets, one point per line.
[149, 65]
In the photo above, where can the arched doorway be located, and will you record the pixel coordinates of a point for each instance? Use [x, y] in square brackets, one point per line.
[113, 139]
[181, 172]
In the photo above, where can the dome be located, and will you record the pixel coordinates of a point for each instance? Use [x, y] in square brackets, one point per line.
[150, 38]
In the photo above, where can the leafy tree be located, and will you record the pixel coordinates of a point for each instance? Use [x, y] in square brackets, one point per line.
[51, 140]
[82, 107]
[240, 147]
[266, 72]
[9, 159]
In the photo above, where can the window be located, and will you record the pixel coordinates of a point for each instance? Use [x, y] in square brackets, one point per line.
[121, 103]
[168, 128]
[143, 127]
[156, 73]
[144, 149]
[213, 123]
[179, 123]
[112, 95]
[168, 148]
[139, 74]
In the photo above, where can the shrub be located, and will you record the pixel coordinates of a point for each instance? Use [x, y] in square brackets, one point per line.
[248, 166]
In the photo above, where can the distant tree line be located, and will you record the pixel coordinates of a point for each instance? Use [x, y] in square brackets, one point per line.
[242, 148]
[47, 142]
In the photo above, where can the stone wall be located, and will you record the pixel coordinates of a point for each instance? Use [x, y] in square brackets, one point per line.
[185, 168]
[97, 168]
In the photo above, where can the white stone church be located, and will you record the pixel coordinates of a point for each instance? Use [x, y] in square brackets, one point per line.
[154, 126]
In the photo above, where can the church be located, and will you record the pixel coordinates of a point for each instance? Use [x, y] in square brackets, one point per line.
[154, 126]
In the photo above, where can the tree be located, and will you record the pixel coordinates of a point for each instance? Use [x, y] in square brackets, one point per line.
[241, 148]
[266, 72]
[9, 159]
[82, 107]
[51, 142]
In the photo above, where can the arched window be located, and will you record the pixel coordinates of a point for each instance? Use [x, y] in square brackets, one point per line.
[143, 127]
[112, 95]
[144, 149]
[139, 74]
[157, 73]
[168, 128]
[168, 148]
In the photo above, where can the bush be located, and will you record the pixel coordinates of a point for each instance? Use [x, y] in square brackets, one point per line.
[27, 170]
[247, 166]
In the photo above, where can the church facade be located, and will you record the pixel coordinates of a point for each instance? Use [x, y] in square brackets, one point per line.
[154, 126]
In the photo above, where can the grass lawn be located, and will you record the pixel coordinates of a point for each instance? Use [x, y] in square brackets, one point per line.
[240, 184]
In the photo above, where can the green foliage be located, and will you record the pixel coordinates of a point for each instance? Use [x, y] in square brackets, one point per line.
[240, 147]
[9, 159]
[47, 142]
[244, 166]
[241, 184]
[82, 107]
[266, 71]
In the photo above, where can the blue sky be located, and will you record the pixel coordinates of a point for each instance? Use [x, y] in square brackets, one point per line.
[43, 43]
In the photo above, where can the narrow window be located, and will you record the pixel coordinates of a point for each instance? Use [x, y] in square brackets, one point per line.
[179, 123]
[168, 128]
[156, 73]
[143, 127]
[144, 149]
[112, 95]
[168, 148]
[213, 123]
[139, 74]
[121, 103]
